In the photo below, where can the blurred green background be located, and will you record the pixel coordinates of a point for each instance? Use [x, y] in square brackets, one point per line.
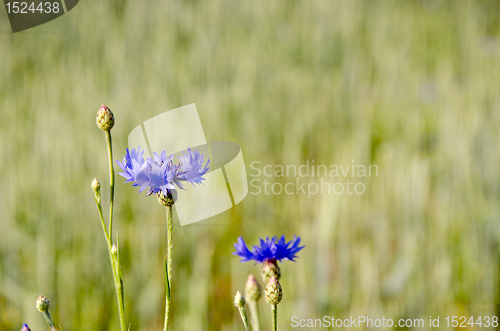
[410, 86]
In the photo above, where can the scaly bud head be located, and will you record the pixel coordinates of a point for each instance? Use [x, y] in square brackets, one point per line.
[42, 304]
[167, 200]
[270, 269]
[25, 327]
[239, 300]
[96, 186]
[274, 293]
[252, 289]
[105, 119]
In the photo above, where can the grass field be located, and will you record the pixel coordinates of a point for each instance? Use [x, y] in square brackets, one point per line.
[409, 86]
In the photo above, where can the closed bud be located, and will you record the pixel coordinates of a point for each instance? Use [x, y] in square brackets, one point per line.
[252, 289]
[114, 250]
[270, 269]
[42, 304]
[239, 300]
[25, 327]
[105, 119]
[274, 293]
[96, 186]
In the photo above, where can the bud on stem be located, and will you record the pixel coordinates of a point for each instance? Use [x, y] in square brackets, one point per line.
[252, 289]
[43, 305]
[114, 252]
[239, 301]
[96, 186]
[105, 119]
[274, 293]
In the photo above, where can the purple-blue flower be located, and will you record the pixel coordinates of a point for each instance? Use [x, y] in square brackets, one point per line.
[269, 249]
[160, 173]
[193, 164]
[25, 327]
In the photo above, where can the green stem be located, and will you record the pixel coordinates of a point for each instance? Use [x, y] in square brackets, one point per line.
[275, 319]
[244, 318]
[119, 282]
[48, 319]
[111, 181]
[167, 296]
[99, 209]
[254, 313]
[115, 267]
[114, 260]
[119, 291]
[118, 265]
[168, 265]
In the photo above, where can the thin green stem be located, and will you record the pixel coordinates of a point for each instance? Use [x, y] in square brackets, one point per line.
[48, 319]
[275, 319]
[244, 318]
[111, 181]
[119, 290]
[118, 265]
[119, 283]
[168, 265]
[99, 209]
[113, 259]
[115, 268]
[254, 313]
[167, 296]
[170, 228]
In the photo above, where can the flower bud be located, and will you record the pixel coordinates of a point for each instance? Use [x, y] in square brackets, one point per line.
[42, 304]
[167, 200]
[252, 289]
[114, 253]
[269, 269]
[239, 300]
[274, 293]
[105, 119]
[25, 327]
[96, 186]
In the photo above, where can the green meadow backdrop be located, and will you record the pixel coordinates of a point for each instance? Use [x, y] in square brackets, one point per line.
[410, 86]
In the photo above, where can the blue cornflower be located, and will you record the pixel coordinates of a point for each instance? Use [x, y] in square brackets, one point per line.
[160, 174]
[133, 163]
[25, 327]
[269, 249]
[193, 164]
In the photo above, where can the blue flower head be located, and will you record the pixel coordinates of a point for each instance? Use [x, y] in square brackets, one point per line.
[160, 173]
[25, 327]
[269, 249]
